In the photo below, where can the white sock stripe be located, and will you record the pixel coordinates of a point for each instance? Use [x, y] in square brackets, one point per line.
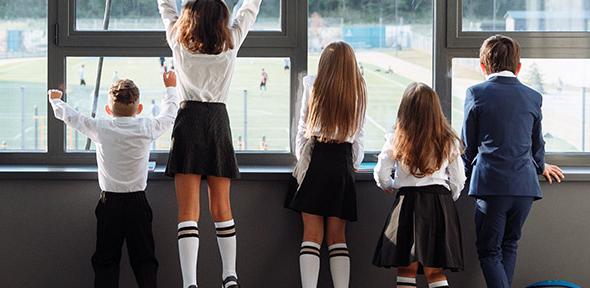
[311, 244]
[338, 246]
[309, 251]
[225, 224]
[187, 224]
[226, 233]
[406, 280]
[442, 283]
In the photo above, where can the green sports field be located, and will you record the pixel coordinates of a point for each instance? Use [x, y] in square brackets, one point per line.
[267, 112]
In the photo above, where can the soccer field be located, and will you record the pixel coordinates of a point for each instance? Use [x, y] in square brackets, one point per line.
[267, 111]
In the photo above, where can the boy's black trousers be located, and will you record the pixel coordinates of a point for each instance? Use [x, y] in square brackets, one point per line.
[124, 217]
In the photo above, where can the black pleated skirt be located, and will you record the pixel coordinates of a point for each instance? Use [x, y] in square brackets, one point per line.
[328, 188]
[422, 226]
[202, 141]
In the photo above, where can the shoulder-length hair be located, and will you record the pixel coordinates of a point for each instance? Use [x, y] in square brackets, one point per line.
[203, 27]
[423, 138]
[338, 99]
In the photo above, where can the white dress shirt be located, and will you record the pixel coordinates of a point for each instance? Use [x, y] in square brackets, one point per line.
[504, 73]
[450, 175]
[203, 77]
[122, 143]
[358, 149]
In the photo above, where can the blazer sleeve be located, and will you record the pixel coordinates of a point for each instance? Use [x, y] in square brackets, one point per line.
[538, 143]
[469, 134]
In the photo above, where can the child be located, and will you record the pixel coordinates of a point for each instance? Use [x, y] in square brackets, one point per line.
[422, 233]
[504, 152]
[204, 49]
[122, 154]
[329, 148]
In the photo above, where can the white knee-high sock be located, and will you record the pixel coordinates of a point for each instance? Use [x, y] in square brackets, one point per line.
[309, 264]
[439, 284]
[406, 282]
[188, 250]
[340, 265]
[226, 239]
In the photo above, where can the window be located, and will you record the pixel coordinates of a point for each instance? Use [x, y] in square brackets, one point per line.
[143, 15]
[23, 76]
[259, 115]
[565, 85]
[526, 15]
[393, 41]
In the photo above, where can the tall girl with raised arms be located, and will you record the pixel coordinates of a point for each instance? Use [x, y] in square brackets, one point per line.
[329, 148]
[205, 42]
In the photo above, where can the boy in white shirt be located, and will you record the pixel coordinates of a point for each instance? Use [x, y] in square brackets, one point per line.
[122, 152]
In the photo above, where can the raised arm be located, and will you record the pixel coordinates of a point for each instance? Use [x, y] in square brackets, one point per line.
[456, 171]
[169, 16]
[244, 19]
[385, 165]
[165, 120]
[300, 140]
[470, 135]
[73, 118]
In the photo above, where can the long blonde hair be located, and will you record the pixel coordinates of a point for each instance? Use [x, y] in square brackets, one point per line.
[424, 138]
[338, 99]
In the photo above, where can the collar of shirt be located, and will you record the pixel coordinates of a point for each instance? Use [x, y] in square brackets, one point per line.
[504, 73]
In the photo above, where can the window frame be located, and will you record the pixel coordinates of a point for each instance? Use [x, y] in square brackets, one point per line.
[449, 42]
[466, 44]
[70, 37]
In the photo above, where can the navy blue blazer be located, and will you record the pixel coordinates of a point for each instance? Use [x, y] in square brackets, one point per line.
[504, 146]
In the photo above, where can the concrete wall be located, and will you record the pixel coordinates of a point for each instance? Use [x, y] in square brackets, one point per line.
[47, 237]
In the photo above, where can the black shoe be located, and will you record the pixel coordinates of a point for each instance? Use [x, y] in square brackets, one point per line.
[192, 286]
[231, 279]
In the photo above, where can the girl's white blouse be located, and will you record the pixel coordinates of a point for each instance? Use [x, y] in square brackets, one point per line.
[450, 175]
[358, 149]
[203, 77]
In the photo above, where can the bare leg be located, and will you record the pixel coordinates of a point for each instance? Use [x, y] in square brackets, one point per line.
[220, 207]
[435, 276]
[407, 276]
[309, 258]
[187, 196]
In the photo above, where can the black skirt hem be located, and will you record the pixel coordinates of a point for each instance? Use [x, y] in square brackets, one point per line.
[203, 173]
[323, 214]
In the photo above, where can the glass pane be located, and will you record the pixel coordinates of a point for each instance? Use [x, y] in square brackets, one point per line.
[130, 15]
[526, 15]
[23, 75]
[259, 117]
[393, 41]
[565, 84]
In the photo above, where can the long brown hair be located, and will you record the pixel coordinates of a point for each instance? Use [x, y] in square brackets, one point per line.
[338, 99]
[203, 27]
[424, 138]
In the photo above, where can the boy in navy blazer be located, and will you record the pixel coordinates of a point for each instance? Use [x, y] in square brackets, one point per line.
[504, 154]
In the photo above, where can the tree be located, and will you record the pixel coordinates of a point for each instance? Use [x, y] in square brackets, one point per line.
[535, 78]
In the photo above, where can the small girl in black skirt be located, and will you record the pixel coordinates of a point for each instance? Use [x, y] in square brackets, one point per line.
[329, 148]
[422, 233]
[205, 41]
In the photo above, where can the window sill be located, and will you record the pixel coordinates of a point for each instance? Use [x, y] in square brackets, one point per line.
[249, 173]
